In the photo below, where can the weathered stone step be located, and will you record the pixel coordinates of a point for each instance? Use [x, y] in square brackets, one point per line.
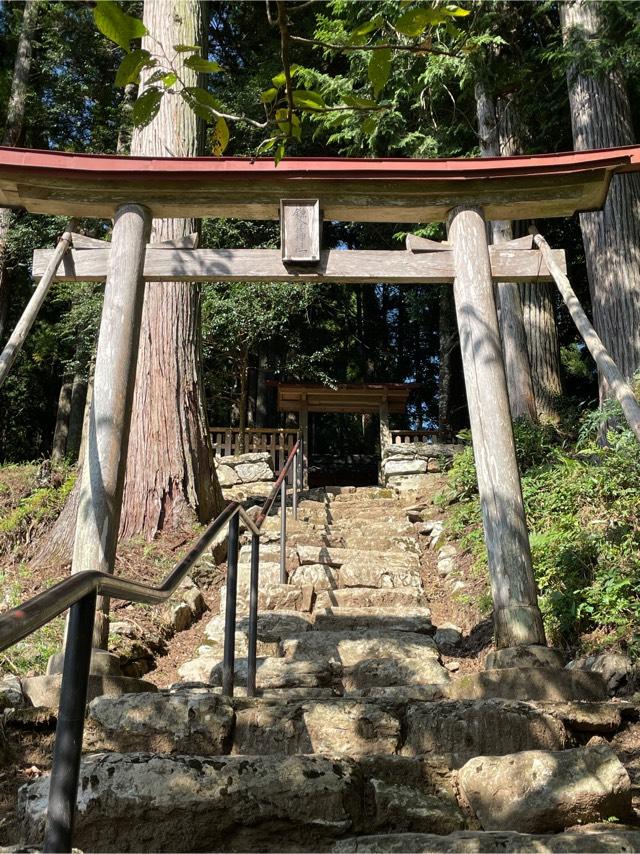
[602, 839]
[391, 618]
[271, 672]
[198, 720]
[371, 597]
[353, 647]
[142, 802]
[363, 674]
[543, 684]
[324, 577]
[339, 557]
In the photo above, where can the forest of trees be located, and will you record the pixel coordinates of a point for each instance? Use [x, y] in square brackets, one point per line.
[371, 79]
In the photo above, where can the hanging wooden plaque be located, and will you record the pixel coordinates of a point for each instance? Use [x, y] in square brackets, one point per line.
[300, 228]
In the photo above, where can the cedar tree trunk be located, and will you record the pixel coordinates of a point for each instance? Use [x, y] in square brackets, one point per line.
[170, 474]
[12, 133]
[493, 143]
[601, 118]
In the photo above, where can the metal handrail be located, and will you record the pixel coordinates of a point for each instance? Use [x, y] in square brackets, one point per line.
[79, 591]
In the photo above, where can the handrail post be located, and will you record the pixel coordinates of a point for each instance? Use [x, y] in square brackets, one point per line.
[283, 531]
[253, 615]
[295, 485]
[65, 771]
[228, 664]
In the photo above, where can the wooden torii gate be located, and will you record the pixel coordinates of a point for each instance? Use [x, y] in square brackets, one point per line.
[462, 192]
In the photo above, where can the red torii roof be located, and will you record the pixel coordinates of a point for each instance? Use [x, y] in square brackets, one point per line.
[394, 189]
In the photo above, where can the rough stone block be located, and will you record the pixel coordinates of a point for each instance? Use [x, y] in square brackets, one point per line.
[493, 842]
[403, 465]
[45, 690]
[375, 673]
[349, 648]
[529, 683]
[358, 574]
[464, 729]
[141, 802]
[371, 597]
[318, 575]
[190, 721]
[400, 807]
[542, 791]
[341, 726]
[533, 655]
[389, 619]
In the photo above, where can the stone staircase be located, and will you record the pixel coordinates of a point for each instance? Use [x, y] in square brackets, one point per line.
[360, 739]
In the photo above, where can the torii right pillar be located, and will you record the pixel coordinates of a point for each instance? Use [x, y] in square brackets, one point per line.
[517, 617]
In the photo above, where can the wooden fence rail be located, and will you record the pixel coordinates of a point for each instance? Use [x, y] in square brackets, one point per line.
[407, 437]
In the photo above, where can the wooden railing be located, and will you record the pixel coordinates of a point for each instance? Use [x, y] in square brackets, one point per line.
[276, 441]
[407, 437]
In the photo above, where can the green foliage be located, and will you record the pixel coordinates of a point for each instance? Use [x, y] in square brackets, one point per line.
[583, 510]
[41, 504]
[117, 26]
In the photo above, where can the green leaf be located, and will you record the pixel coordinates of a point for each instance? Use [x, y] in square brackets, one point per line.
[268, 96]
[267, 144]
[146, 107]
[308, 100]
[220, 137]
[279, 153]
[379, 68]
[201, 102]
[131, 66]
[458, 11]
[369, 125]
[414, 21]
[116, 26]
[360, 33]
[169, 79]
[202, 66]
[360, 103]
[282, 115]
[156, 77]
[280, 79]
[186, 48]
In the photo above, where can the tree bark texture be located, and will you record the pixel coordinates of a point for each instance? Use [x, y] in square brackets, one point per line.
[517, 618]
[496, 139]
[76, 417]
[170, 473]
[452, 406]
[601, 118]
[13, 132]
[61, 432]
[539, 311]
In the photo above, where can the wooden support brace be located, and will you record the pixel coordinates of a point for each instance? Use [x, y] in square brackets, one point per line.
[23, 326]
[606, 365]
[104, 464]
[517, 617]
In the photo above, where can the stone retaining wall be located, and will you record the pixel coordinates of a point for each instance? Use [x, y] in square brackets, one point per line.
[411, 464]
[256, 467]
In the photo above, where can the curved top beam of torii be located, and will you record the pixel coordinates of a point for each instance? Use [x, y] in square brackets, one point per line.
[366, 190]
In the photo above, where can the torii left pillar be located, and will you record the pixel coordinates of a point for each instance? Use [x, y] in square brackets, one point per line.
[105, 459]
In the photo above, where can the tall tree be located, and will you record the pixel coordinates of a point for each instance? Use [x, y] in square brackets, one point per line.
[170, 473]
[13, 131]
[512, 330]
[601, 118]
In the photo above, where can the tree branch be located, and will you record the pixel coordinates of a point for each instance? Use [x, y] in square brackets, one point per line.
[285, 38]
[424, 47]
